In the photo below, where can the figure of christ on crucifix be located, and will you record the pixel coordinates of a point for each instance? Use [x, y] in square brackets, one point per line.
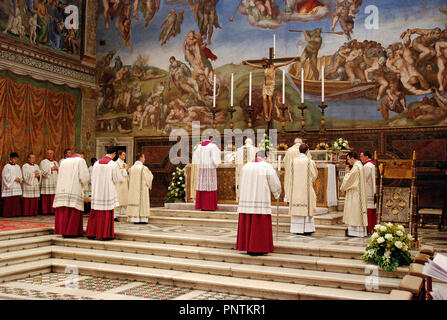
[268, 88]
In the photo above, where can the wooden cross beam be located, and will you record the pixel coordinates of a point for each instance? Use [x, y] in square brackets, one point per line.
[271, 58]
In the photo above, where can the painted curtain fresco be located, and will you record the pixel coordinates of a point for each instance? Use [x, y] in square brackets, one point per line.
[43, 115]
[41, 23]
[385, 63]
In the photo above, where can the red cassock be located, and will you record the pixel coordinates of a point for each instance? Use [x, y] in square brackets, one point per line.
[254, 233]
[47, 203]
[12, 206]
[68, 221]
[372, 219]
[206, 200]
[30, 206]
[100, 224]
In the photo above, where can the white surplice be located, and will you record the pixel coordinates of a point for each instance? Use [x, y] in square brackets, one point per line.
[207, 159]
[49, 177]
[122, 188]
[73, 176]
[258, 181]
[10, 187]
[291, 154]
[355, 211]
[370, 177]
[104, 178]
[140, 182]
[302, 197]
[30, 183]
[244, 154]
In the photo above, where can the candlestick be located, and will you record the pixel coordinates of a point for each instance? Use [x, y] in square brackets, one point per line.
[322, 106]
[232, 79]
[302, 85]
[322, 84]
[249, 91]
[283, 87]
[302, 107]
[214, 92]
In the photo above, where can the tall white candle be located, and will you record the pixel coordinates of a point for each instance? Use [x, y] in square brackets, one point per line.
[302, 85]
[274, 45]
[322, 84]
[249, 92]
[214, 92]
[283, 87]
[232, 79]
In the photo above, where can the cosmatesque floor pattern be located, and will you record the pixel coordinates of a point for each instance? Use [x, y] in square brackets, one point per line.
[60, 286]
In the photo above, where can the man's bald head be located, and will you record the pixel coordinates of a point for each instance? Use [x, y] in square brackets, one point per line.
[298, 140]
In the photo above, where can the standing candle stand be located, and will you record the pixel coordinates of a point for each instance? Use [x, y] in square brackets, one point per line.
[231, 110]
[322, 106]
[283, 109]
[302, 107]
[250, 115]
[214, 111]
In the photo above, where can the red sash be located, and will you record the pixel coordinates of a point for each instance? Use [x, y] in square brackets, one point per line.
[105, 160]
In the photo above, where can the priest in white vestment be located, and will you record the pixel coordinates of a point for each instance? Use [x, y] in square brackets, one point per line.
[105, 175]
[370, 176]
[68, 202]
[258, 181]
[354, 184]
[31, 186]
[207, 157]
[140, 182]
[122, 188]
[244, 154]
[11, 187]
[49, 168]
[302, 197]
[291, 154]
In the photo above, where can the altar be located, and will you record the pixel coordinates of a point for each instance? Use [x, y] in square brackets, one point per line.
[331, 170]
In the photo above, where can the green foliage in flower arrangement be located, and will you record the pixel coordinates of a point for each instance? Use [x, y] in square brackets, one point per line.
[266, 143]
[177, 188]
[340, 144]
[389, 247]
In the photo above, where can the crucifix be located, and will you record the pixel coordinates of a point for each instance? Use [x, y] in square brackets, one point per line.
[269, 65]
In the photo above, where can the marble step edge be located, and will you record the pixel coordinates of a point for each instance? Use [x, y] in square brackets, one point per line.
[25, 270]
[232, 214]
[338, 229]
[26, 255]
[353, 266]
[250, 287]
[335, 251]
[25, 233]
[25, 243]
[277, 274]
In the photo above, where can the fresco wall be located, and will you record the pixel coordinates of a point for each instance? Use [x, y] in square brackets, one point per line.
[384, 63]
[41, 24]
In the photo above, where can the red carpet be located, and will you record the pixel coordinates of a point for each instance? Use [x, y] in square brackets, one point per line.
[16, 225]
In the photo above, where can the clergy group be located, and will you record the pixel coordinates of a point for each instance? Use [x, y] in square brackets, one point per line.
[61, 188]
[257, 180]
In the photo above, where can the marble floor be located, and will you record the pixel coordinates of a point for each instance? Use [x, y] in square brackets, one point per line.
[61, 286]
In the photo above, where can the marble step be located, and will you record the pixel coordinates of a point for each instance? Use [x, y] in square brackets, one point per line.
[25, 233]
[350, 266]
[322, 229]
[235, 270]
[25, 270]
[311, 249]
[25, 243]
[198, 281]
[327, 218]
[23, 256]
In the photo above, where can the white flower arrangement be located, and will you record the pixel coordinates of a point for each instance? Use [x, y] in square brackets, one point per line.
[177, 190]
[340, 144]
[389, 247]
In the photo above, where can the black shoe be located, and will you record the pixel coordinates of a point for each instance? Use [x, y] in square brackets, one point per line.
[308, 233]
[116, 220]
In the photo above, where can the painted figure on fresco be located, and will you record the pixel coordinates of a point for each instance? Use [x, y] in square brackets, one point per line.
[15, 25]
[345, 14]
[33, 28]
[198, 56]
[182, 78]
[171, 26]
[268, 87]
[304, 7]
[206, 17]
[310, 52]
[149, 9]
[441, 62]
